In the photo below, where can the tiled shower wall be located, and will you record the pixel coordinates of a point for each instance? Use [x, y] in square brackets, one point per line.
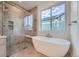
[15, 37]
[0, 18]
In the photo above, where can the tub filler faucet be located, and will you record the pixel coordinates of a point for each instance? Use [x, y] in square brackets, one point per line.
[48, 35]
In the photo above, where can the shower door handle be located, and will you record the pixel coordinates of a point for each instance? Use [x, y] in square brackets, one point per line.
[74, 21]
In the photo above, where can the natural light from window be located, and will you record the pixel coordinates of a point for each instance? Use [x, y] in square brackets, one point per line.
[28, 22]
[53, 18]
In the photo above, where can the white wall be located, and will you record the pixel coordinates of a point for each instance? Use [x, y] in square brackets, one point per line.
[45, 5]
[74, 30]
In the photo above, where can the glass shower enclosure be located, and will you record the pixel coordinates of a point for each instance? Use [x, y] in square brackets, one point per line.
[11, 25]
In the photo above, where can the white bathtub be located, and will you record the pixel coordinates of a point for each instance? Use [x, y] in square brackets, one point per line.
[52, 47]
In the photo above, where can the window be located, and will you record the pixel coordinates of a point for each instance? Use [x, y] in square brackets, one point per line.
[46, 20]
[53, 18]
[28, 22]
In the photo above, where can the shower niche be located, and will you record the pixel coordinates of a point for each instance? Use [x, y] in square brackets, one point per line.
[10, 25]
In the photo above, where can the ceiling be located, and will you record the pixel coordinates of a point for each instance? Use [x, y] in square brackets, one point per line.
[28, 5]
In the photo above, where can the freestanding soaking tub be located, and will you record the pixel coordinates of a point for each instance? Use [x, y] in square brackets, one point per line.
[52, 47]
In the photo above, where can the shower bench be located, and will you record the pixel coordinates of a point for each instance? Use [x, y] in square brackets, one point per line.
[3, 46]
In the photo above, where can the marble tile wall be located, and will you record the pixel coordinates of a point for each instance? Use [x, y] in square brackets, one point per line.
[16, 37]
[34, 13]
[0, 18]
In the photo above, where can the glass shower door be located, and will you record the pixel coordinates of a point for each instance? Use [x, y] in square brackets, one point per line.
[0, 18]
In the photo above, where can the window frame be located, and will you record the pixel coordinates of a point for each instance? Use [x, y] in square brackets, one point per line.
[51, 15]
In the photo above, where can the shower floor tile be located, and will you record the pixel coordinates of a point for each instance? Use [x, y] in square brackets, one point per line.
[28, 52]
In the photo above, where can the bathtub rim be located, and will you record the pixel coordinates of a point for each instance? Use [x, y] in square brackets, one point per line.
[54, 41]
